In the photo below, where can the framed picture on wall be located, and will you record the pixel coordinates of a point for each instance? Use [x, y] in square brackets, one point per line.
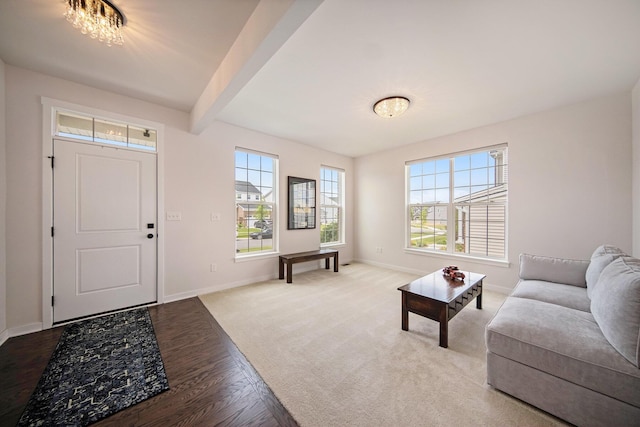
[302, 203]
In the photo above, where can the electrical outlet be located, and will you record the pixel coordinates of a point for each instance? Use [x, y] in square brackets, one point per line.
[174, 216]
[213, 267]
[215, 216]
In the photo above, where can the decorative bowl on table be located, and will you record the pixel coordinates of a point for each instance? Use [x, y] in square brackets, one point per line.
[453, 272]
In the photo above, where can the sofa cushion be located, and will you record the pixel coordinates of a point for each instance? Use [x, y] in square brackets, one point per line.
[602, 256]
[615, 304]
[554, 293]
[549, 269]
[562, 342]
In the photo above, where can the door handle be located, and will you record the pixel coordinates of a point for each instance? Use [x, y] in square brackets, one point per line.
[149, 236]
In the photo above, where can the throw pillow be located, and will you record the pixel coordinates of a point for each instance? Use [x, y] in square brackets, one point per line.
[602, 256]
[615, 305]
[549, 269]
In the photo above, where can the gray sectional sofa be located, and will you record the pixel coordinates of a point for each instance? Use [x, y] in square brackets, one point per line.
[567, 339]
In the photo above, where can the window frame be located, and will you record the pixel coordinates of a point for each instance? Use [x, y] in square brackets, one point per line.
[452, 204]
[273, 204]
[104, 131]
[341, 177]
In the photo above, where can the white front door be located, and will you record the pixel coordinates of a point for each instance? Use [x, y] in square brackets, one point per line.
[104, 229]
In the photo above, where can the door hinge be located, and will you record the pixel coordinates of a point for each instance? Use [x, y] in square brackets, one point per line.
[52, 300]
[51, 157]
[52, 232]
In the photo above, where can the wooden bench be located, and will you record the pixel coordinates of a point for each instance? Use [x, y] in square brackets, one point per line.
[291, 259]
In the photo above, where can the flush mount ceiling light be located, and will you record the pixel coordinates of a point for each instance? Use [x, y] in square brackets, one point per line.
[391, 107]
[98, 18]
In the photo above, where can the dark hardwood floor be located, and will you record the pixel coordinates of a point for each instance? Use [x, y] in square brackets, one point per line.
[211, 382]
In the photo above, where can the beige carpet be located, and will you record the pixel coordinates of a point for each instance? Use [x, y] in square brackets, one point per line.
[331, 348]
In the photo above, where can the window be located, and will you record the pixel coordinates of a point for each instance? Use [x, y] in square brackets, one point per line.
[87, 128]
[331, 206]
[256, 202]
[458, 204]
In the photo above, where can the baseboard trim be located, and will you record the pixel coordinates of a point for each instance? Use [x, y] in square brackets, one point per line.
[179, 297]
[498, 289]
[20, 330]
[221, 287]
[488, 286]
[392, 267]
[25, 329]
[224, 286]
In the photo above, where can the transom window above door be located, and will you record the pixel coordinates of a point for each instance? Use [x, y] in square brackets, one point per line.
[87, 128]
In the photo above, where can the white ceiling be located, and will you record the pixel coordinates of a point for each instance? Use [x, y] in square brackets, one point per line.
[171, 48]
[463, 63]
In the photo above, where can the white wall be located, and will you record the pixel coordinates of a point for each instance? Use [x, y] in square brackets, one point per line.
[636, 168]
[196, 242]
[199, 180]
[569, 187]
[3, 198]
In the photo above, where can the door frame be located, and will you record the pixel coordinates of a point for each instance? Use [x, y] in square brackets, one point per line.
[49, 108]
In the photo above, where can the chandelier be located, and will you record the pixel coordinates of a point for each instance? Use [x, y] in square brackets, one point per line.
[98, 18]
[391, 107]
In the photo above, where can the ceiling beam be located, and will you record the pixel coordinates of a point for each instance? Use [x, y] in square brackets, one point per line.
[267, 29]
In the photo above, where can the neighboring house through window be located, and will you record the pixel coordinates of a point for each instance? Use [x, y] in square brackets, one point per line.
[256, 206]
[458, 204]
[331, 206]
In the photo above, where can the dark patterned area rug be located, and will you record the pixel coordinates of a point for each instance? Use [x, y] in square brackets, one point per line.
[99, 367]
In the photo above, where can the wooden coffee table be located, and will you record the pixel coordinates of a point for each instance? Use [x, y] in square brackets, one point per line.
[439, 298]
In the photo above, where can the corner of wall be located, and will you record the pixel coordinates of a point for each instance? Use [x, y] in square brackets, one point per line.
[635, 119]
[3, 199]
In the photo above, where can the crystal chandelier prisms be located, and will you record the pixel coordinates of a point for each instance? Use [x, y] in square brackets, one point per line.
[98, 18]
